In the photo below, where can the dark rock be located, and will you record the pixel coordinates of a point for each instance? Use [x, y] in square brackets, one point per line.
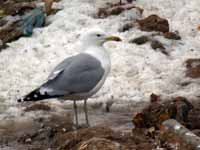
[193, 68]
[158, 45]
[172, 35]
[2, 22]
[140, 40]
[10, 33]
[130, 1]
[196, 131]
[115, 9]
[3, 46]
[194, 116]
[16, 8]
[102, 13]
[126, 27]
[155, 98]
[183, 107]
[154, 23]
[158, 111]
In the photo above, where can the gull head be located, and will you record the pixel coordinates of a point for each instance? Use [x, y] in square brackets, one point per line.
[97, 38]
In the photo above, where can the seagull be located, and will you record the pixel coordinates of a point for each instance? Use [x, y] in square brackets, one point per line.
[80, 76]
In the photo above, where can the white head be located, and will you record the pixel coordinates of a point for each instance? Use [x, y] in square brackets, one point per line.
[97, 38]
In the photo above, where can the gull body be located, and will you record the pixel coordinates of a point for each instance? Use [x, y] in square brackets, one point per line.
[78, 77]
[100, 54]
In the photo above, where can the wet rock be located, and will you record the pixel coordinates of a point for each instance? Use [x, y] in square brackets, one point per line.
[157, 112]
[37, 107]
[193, 68]
[140, 40]
[154, 23]
[172, 35]
[99, 144]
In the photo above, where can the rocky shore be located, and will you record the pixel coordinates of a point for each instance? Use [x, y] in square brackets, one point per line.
[151, 99]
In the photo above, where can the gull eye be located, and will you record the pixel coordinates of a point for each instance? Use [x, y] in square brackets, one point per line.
[98, 35]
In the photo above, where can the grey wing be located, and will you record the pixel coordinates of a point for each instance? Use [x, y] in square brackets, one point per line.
[81, 75]
[60, 67]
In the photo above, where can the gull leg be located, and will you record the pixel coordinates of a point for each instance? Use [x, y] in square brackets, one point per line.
[76, 114]
[86, 112]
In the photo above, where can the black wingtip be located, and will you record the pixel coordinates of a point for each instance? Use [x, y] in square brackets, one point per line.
[32, 96]
[19, 100]
[37, 96]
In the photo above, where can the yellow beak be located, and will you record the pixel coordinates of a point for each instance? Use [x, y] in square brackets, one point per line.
[113, 38]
